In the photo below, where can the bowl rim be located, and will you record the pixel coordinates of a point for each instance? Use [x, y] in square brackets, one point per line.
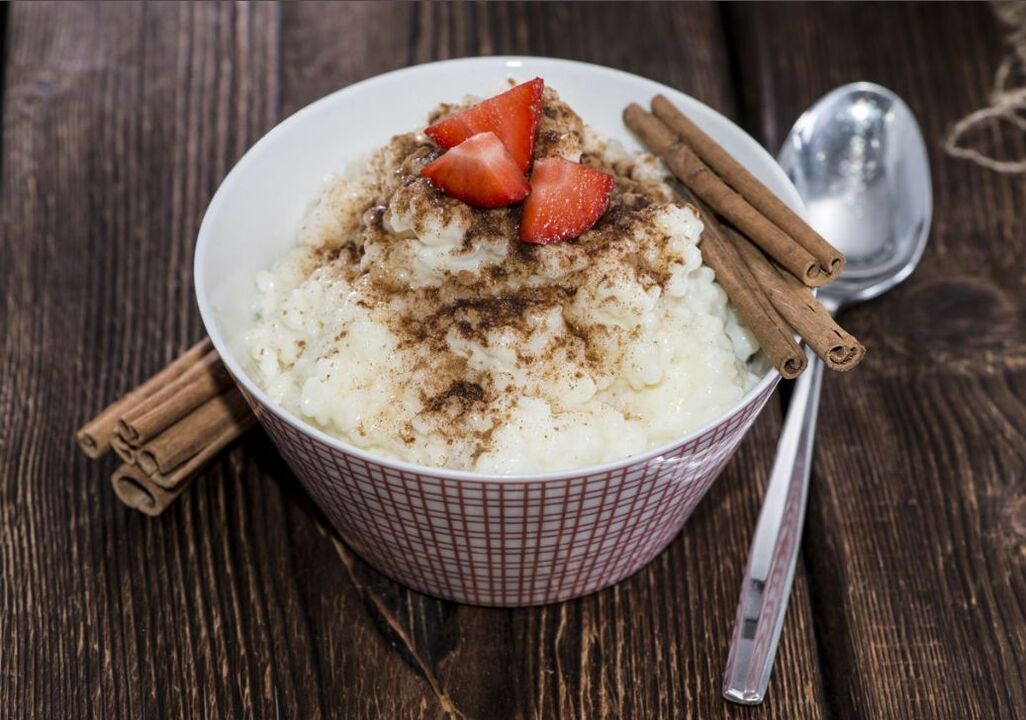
[401, 466]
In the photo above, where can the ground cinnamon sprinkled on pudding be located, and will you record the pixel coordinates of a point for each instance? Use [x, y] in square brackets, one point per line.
[410, 324]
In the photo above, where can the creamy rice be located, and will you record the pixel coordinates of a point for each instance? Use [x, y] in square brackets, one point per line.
[418, 328]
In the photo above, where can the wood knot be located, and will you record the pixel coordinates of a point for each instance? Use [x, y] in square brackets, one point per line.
[1015, 518]
[965, 323]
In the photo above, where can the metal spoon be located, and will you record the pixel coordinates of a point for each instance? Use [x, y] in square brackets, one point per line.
[859, 162]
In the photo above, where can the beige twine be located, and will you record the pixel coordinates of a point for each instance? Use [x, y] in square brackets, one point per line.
[1006, 103]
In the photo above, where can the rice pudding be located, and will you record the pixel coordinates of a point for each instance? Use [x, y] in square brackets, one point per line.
[417, 327]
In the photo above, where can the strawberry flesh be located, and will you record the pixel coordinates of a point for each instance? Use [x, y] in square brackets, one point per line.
[512, 116]
[480, 172]
[566, 199]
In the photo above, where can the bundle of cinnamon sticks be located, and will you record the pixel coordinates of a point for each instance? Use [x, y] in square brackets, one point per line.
[764, 255]
[167, 429]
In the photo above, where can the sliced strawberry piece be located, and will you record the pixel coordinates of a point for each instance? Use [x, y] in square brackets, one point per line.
[513, 116]
[566, 199]
[480, 172]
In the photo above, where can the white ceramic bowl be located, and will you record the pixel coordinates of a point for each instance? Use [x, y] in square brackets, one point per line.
[490, 540]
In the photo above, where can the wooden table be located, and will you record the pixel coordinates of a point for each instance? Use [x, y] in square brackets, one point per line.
[119, 121]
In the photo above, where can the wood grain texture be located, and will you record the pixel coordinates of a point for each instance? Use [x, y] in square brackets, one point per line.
[120, 120]
[917, 549]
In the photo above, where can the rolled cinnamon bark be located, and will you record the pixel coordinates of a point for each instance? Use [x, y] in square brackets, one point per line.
[830, 260]
[754, 307]
[207, 379]
[836, 347]
[221, 439]
[190, 435]
[94, 436]
[124, 449]
[703, 182]
[137, 490]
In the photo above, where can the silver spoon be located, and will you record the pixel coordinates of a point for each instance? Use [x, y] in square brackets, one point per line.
[859, 162]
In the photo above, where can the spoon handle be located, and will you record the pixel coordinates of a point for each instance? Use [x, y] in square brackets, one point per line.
[774, 551]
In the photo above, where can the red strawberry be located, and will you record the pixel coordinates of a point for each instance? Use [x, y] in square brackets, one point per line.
[480, 172]
[566, 199]
[513, 116]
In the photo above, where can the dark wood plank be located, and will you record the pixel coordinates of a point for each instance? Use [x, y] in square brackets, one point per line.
[916, 549]
[119, 122]
[652, 647]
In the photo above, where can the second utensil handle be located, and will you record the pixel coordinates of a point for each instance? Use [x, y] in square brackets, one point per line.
[774, 550]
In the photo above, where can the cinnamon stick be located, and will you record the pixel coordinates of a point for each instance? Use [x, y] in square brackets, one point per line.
[206, 379]
[223, 437]
[831, 261]
[123, 448]
[703, 182]
[190, 435]
[137, 490]
[94, 436]
[833, 344]
[752, 304]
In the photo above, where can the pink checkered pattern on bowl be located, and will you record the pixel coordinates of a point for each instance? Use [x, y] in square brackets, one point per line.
[510, 542]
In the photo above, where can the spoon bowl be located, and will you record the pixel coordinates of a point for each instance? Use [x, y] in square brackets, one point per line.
[859, 162]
